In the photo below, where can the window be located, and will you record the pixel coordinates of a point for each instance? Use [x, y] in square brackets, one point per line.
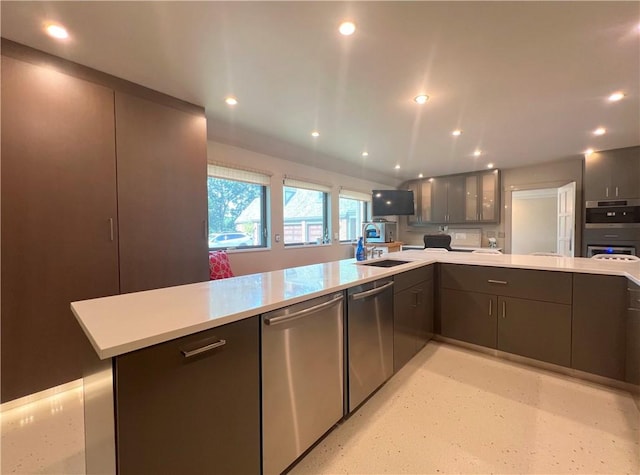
[237, 208]
[353, 211]
[305, 212]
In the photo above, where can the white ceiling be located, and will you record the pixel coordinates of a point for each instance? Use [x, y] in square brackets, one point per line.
[527, 82]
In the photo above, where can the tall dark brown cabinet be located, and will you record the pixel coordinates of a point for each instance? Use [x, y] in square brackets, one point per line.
[103, 191]
[162, 194]
[58, 209]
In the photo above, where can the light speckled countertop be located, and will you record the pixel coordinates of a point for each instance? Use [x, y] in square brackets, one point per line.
[123, 323]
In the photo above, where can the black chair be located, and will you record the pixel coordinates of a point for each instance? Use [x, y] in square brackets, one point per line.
[437, 240]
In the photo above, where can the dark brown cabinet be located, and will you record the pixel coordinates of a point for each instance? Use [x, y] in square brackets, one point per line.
[456, 199]
[59, 220]
[180, 411]
[413, 312]
[535, 329]
[524, 312]
[632, 357]
[448, 199]
[469, 316]
[598, 341]
[612, 174]
[102, 192]
[482, 197]
[162, 194]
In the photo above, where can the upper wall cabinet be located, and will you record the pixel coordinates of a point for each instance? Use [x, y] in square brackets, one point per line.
[482, 193]
[162, 194]
[457, 199]
[612, 175]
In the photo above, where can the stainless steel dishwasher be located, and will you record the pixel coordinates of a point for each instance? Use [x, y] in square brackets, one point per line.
[370, 338]
[302, 377]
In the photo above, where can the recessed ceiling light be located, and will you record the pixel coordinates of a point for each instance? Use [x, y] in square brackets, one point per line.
[456, 133]
[489, 165]
[420, 175]
[347, 28]
[365, 154]
[421, 99]
[616, 96]
[57, 31]
[477, 153]
[397, 167]
[315, 133]
[600, 131]
[232, 101]
[588, 151]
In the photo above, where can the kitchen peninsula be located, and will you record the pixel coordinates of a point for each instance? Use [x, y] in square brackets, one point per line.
[133, 335]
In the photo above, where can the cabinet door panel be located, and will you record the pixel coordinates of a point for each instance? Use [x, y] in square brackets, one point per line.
[404, 324]
[539, 330]
[425, 201]
[598, 327]
[456, 199]
[425, 313]
[439, 200]
[489, 199]
[471, 199]
[58, 197]
[191, 415]
[469, 316]
[162, 195]
[625, 173]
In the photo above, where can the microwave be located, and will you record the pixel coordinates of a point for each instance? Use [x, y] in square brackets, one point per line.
[379, 231]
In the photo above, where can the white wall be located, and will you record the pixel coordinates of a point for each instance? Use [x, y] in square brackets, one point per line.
[534, 222]
[277, 256]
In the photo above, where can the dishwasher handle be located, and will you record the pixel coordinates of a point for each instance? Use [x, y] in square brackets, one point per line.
[302, 313]
[372, 292]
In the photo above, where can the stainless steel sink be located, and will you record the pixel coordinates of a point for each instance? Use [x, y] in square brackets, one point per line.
[384, 263]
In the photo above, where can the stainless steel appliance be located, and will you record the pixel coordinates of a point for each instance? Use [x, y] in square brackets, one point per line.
[612, 214]
[302, 377]
[379, 231]
[370, 338]
[625, 250]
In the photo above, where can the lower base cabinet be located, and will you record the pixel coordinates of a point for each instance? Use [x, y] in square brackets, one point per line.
[413, 314]
[524, 312]
[183, 408]
[632, 367]
[469, 316]
[599, 325]
[535, 329]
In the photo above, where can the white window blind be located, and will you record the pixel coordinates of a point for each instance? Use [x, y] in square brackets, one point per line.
[238, 174]
[307, 185]
[355, 195]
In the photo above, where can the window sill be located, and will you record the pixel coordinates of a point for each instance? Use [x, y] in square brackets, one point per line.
[306, 246]
[238, 250]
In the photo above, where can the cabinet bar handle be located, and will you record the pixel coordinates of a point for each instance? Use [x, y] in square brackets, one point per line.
[501, 282]
[111, 229]
[606, 191]
[616, 191]
[197, 351]
[504, 309]
[490, 307]
[610, 235]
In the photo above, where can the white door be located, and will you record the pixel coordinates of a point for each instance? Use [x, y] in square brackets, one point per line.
[566, 219]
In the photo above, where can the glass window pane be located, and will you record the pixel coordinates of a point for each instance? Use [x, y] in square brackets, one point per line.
[352, 214]
[305, 216]
[236, 214]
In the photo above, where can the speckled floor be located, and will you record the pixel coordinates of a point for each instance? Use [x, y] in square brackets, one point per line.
[452, 410]
[449, 410]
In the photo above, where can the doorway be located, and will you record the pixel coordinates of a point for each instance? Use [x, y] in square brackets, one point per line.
[543, 220]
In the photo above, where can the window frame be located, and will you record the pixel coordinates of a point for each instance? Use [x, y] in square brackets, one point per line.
[251, 177]
[362, 197]
[326, 210]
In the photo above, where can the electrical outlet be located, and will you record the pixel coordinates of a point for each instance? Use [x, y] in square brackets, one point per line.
[277, 238]
[500, 234]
